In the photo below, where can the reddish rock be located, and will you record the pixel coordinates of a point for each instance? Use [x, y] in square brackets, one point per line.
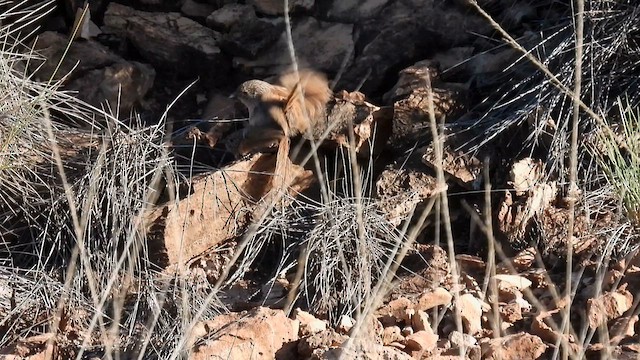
[437, 297]
[423, 341]
[608, 306]
[517, 281]
[519, 346]
[309, 324]
[470, 310]
[511, 312]
[260, 335]
[400, 309]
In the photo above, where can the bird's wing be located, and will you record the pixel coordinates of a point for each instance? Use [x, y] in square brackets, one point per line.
[308, 96]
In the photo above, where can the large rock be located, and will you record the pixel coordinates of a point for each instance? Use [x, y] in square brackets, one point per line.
[260, 334]
[215, 211]
[93, 72]
[169, 40]
[404, 32]
[351, 11]
[276, 7]
[320, 45]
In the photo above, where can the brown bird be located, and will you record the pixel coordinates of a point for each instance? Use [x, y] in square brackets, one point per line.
[294, 106]
[277, 112]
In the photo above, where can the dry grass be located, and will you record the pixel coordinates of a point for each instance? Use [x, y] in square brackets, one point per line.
[71, 217]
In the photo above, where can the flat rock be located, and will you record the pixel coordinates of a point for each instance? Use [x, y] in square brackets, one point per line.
[518, 281]
[402, 33]
[250, 36]
[423, 341]
[309, 324]
[461, 340]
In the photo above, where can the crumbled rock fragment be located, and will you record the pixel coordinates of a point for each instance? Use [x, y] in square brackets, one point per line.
[608, 306]
[345, 323]
[461, 340]
[438, 297]
[521, 346]
[511, 312]
[309, 324]
[424, 340]
[392, 334]
[323, 340]
[470, 309]
[519, 282]
[420, 321]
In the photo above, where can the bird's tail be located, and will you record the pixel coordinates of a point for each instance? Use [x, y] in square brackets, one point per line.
[309, 86]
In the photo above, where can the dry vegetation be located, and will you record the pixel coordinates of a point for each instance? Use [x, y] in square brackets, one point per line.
[118, 242]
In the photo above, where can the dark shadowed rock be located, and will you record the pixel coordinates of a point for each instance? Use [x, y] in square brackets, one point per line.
[248, 37]
[320, 45]
[276, 7]
[94, 72]
[168, 40]
[196, 10]
[227, 16]
[351, 11]
[404, 32]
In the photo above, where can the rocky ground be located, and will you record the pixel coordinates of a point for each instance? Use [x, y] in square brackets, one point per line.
[385, 58]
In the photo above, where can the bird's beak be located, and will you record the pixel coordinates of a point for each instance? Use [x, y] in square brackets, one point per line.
[233, 96]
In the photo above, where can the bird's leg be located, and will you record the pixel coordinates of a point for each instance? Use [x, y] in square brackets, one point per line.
[264, 140]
